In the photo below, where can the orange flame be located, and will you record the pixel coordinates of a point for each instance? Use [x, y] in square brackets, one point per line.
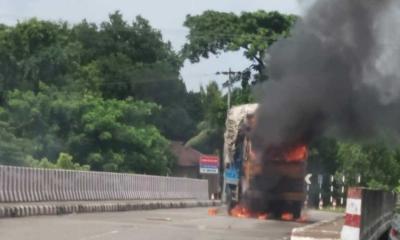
[262, 216]
[240, 211]
[297, 153]
[287, 217]
[212, 211]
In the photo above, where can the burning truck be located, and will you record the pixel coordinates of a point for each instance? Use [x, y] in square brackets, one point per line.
[261, 183]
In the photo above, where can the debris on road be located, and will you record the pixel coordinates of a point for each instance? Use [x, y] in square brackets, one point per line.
[212, 211]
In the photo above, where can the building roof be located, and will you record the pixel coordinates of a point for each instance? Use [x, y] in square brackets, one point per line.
[187, 156]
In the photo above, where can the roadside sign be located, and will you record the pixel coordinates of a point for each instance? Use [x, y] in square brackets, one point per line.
[308, 178]
[209, 164]
[320, 180]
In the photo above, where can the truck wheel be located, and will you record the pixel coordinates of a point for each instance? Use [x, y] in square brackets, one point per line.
[230, 203]
[296, 209]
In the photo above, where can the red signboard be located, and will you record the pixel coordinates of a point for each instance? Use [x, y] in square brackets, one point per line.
[209, 164]
[209, 160]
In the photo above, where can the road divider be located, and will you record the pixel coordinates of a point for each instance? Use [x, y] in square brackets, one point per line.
[20, 184]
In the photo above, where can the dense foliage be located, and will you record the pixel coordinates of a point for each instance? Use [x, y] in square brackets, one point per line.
[376, 164]
[112, 135]
[108, 95]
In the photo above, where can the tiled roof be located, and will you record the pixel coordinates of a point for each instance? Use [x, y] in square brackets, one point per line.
[187, 156]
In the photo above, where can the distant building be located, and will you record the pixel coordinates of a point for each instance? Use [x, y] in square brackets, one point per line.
[187, 165]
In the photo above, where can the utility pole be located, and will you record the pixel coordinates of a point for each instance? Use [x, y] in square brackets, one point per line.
[229, 87]
[229, 83]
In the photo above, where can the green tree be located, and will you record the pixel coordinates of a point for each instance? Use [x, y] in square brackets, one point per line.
[215, 32]
[132, 60]
[209, 138]
[112, 135]
[13, 150]
[112, 60]
[36, 51]
[376, 163]
[384, 162]
[64, 161]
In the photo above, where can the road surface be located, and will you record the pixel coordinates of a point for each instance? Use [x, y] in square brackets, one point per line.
[166, 224]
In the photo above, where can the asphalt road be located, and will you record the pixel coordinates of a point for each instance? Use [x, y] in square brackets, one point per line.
[168, 224]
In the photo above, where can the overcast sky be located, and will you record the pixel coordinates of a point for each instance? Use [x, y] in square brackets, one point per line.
[168, 16]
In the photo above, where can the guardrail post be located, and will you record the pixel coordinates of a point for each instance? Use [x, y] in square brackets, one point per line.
[351, 228]
[2, 184]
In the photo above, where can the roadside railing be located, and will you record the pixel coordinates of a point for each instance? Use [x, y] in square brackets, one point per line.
[20, 184]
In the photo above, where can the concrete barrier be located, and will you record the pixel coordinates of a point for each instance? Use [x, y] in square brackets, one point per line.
[59, 208]
[323, 230]
[368, 213]
[19, 184]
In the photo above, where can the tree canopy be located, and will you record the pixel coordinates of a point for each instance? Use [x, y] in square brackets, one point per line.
[112, 135]
[215, 32]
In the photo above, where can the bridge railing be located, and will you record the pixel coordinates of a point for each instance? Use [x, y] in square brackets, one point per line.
[20, 184]
[368, 213]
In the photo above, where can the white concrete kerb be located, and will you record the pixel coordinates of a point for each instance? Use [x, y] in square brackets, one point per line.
[308, 227]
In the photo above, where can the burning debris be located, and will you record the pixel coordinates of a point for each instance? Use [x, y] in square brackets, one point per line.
[241, 211]
[212, 211]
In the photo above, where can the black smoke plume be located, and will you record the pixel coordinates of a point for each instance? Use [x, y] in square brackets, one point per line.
[338, 74]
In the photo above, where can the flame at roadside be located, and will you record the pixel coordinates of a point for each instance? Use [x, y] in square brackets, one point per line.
[240, 211]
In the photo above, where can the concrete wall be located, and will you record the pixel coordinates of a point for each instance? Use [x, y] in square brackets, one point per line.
[377, 209]
[368, 213]
[193, 172]
[19, 184]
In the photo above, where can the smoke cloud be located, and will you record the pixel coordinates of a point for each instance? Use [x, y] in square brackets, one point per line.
[338, 74]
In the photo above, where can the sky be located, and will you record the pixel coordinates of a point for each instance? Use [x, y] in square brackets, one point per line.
[167, 16]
